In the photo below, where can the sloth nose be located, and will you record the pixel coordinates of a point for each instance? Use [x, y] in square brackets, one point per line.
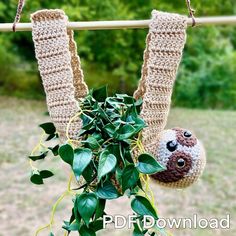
[172, 145]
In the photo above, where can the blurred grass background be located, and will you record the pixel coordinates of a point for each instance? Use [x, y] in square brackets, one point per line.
[204, 99]
[24, 206]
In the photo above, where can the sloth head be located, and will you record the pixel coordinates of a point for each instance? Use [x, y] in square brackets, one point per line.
[183, 156]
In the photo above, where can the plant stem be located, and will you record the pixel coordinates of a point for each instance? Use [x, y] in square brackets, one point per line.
[54, 207]
[36, 148]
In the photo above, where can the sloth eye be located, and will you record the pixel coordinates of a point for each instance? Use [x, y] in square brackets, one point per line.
[180, 163]
[187, 134]
[172, 145]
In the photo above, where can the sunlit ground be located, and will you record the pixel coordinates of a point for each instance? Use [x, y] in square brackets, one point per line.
[24, 207]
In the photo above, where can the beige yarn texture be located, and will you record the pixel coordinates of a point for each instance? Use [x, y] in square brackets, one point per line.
[63, 81]
[164, 45]
[59, 67]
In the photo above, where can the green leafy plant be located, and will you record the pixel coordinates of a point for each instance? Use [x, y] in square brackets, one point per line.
[108, 162]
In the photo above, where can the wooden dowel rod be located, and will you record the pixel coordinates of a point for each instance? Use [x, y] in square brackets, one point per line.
[122, 24]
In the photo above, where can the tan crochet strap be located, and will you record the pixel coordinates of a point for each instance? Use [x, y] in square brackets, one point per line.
[164, 45]
[80, 86]
[60, 69]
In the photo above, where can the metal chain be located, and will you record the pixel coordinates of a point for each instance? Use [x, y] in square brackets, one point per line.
[20, 7]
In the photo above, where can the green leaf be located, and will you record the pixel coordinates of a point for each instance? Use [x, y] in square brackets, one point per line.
[122, 152]
[110, 129]
[46, 174]
[96, 225]
[66, 225]
[54, 150]
[48, 128]
[133, 191]
[107, 163]
[113, 113]
[71, 227]
[142, 207]
[83, 132]
[132, 111]
[86, 205]
[50, 137]
[138, 102]
[85, 231]
[107, 191]
[138, 105]
[88, 173]
[38, 157]
[125, 132]
[100, 94]
[139, 184]
[137, 231]
[148, 164]
[88, 122]
[100, 208]
[98, 137]
[51, 234]
[91, 142]
[139, 124]
[82, 158]
[66, 153]
[72, 217]
[114, 148]
[130, 177]
[102, 113]
[127, 99]
[119, 175]
[36, 178]
[115, 103]
[128, 155]
[130, 120]
[76, 212]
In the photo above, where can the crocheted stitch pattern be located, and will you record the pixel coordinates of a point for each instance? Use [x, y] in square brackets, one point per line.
[60, 69]
[184, 158]
[62, 77]
[164, 45]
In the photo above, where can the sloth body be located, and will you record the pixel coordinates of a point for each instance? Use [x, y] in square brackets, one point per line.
[178, 150]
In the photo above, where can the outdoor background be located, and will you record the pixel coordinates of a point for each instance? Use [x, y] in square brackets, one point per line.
[204, 100]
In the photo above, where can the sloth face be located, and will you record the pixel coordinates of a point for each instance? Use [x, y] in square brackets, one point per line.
[183, 156]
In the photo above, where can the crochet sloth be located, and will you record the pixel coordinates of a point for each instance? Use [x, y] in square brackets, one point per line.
[176, 149]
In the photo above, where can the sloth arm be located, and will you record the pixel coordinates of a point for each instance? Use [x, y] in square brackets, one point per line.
[164, 45]
[60, 69]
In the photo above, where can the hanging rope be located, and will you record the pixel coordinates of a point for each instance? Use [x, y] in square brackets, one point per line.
[20, 7]
[191, 12]
[127, 24]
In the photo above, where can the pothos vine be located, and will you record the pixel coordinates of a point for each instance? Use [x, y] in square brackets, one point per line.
[107, 163]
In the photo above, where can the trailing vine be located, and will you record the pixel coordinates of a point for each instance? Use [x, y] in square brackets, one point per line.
[107, 163]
